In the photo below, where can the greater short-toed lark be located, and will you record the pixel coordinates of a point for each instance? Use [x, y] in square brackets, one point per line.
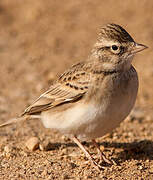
[92, 97]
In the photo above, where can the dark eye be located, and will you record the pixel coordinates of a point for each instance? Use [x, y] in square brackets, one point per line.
[114, 47]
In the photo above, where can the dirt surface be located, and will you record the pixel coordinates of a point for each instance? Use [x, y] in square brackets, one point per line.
[38, 40]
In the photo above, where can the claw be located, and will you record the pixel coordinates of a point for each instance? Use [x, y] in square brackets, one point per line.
[102, 155]
[91, 159]
[88, 155]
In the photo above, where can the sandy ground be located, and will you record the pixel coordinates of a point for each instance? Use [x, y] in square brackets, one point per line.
[38, 40]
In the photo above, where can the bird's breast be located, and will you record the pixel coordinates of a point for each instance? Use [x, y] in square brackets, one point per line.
[114, 100]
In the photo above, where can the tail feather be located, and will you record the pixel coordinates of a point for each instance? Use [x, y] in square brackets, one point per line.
[19, 119]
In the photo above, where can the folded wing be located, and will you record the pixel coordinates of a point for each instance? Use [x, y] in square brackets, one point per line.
[70, 87]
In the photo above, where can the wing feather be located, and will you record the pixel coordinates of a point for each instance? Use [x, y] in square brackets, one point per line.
[71, 86]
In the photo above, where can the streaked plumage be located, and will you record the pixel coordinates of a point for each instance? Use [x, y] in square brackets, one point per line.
[92, 97]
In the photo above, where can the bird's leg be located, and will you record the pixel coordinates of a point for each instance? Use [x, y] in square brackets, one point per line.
[101, 154]
[88, 155]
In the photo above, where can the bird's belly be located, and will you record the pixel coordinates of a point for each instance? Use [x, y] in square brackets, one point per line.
[92, 120]
[89, 121]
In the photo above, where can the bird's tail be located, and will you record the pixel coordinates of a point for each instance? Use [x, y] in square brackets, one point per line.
[19, 119]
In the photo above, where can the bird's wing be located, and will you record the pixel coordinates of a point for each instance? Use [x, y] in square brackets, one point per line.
[71, 86]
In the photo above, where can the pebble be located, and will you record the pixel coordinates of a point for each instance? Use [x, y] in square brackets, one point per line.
[64, 151]
[41, 147]
[102, 148]
[140, 167]
[46, 146]
[7, 149]
[32, 143]
[74, 154]
[151, 170]
[65, 138]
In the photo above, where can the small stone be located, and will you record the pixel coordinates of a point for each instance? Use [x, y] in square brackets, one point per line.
[64, 151]
[41, 147]
[32, 143]
[46, 146]
[120, 168]
[74, 154]
[7, 148]
[65, 138]
[102, 148]
[23, 153]
[140, 167]
[8, 151]
[151, 170]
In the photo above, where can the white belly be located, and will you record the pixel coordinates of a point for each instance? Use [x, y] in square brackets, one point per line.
[88, 121]
[91, 120]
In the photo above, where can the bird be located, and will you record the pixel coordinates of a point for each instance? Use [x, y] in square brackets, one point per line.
[94, 96]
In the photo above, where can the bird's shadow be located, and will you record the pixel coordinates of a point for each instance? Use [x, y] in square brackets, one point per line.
[137, 150]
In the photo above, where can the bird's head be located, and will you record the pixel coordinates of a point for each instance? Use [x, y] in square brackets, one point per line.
[115, 48]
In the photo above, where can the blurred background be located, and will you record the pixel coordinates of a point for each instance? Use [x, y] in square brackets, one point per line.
[40, 39]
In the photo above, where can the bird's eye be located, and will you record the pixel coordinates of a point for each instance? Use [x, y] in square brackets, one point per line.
[115, 49]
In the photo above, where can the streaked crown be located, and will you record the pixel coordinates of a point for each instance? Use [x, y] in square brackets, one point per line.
[114, 32]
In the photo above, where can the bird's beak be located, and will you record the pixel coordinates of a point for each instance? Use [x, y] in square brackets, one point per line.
[137, 48]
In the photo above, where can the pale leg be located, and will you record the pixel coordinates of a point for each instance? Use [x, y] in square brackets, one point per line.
[101, 154]
[88, 155]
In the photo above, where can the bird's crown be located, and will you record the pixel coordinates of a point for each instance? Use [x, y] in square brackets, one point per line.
[114, 32]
